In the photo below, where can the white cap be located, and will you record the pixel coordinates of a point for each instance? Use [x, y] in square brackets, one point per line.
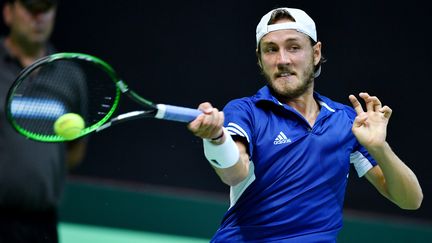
[303, 23]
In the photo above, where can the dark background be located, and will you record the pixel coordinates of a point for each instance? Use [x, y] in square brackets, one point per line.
[187, 52]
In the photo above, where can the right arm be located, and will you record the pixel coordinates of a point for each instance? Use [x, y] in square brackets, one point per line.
[239, 171]
[75, 152]
[209, 125]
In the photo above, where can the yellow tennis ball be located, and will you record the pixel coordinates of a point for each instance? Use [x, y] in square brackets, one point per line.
[69, 126]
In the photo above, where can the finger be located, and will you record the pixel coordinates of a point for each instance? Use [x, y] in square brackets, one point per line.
[356, 104]
[360, 120]
[387, 111]
[205, 107]
[195, 124]
[218, 128]
[212, 124]
[221, 119]
[211, 120]
[369, 104]
[363, 95]
[211, 116]
[376, 103]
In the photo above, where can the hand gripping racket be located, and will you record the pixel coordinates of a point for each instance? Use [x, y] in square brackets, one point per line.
[76, 83]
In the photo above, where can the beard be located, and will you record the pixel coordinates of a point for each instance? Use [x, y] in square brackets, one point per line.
[286, 91]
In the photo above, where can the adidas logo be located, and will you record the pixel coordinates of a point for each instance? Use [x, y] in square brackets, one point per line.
[281, 138]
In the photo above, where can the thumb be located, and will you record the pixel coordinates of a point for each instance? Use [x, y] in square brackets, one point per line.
[205, 107]
[360, 120]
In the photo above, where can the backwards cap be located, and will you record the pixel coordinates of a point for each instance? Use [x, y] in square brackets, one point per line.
[36, 6]
[303, 23]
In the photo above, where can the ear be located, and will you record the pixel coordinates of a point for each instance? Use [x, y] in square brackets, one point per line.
[258, 57]
[7, 14]
[317, 53]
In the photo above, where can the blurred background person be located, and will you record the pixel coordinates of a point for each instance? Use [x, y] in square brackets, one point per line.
[32, 174]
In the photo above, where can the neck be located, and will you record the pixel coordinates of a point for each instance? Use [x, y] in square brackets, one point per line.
[25, 52]
[306, 105]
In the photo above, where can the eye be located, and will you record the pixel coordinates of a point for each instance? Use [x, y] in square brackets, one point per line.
[269, 49]
[294, 48]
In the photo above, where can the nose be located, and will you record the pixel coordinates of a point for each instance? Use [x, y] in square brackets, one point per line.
[283, 57]
[38, 16]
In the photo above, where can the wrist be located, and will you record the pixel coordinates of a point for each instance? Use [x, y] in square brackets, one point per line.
[377, 146]
[378, 149]
[224, 154]
[219, 139]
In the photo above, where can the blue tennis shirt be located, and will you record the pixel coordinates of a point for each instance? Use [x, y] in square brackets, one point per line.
[298, 174]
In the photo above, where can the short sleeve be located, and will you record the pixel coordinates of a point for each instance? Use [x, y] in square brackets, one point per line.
[239, 119]
[360, 157]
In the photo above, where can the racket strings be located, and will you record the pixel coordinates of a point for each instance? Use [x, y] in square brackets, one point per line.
[55, 88]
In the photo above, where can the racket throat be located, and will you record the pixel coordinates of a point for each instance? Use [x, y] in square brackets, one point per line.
[127, 117]
[161, 111]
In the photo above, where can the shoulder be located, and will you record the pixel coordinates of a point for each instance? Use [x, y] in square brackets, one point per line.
[3, 51]
[350, 112]
[244, 103]
[51, 48]
[337, 106]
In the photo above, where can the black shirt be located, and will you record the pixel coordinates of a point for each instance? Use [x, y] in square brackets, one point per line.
[32, 173]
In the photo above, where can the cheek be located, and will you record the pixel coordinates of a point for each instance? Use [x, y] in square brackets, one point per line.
[49, 17]
[22, 20]
[305, 60]
[267, 63]
[267, 69]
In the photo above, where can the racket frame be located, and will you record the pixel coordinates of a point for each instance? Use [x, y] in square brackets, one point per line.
[159, 111]
[49, 59]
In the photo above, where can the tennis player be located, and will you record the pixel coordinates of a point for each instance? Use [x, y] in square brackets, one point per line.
[286, 151]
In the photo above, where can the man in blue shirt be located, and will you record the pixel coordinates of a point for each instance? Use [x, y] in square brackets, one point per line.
[286, 151]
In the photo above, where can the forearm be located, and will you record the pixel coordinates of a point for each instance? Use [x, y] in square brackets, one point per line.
[75, 151]
[229, 158]
[235, 174]
[400, 182]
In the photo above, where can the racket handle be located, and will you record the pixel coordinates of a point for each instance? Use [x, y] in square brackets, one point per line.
[176, 113]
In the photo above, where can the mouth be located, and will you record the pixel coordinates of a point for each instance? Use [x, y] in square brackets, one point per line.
[284, 74]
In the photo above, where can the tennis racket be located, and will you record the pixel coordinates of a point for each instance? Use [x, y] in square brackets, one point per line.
[78, 83]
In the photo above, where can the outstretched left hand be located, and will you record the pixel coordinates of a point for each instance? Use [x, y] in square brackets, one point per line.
[370, 127]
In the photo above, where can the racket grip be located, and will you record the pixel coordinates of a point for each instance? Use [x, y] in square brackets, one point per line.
[176, 113]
